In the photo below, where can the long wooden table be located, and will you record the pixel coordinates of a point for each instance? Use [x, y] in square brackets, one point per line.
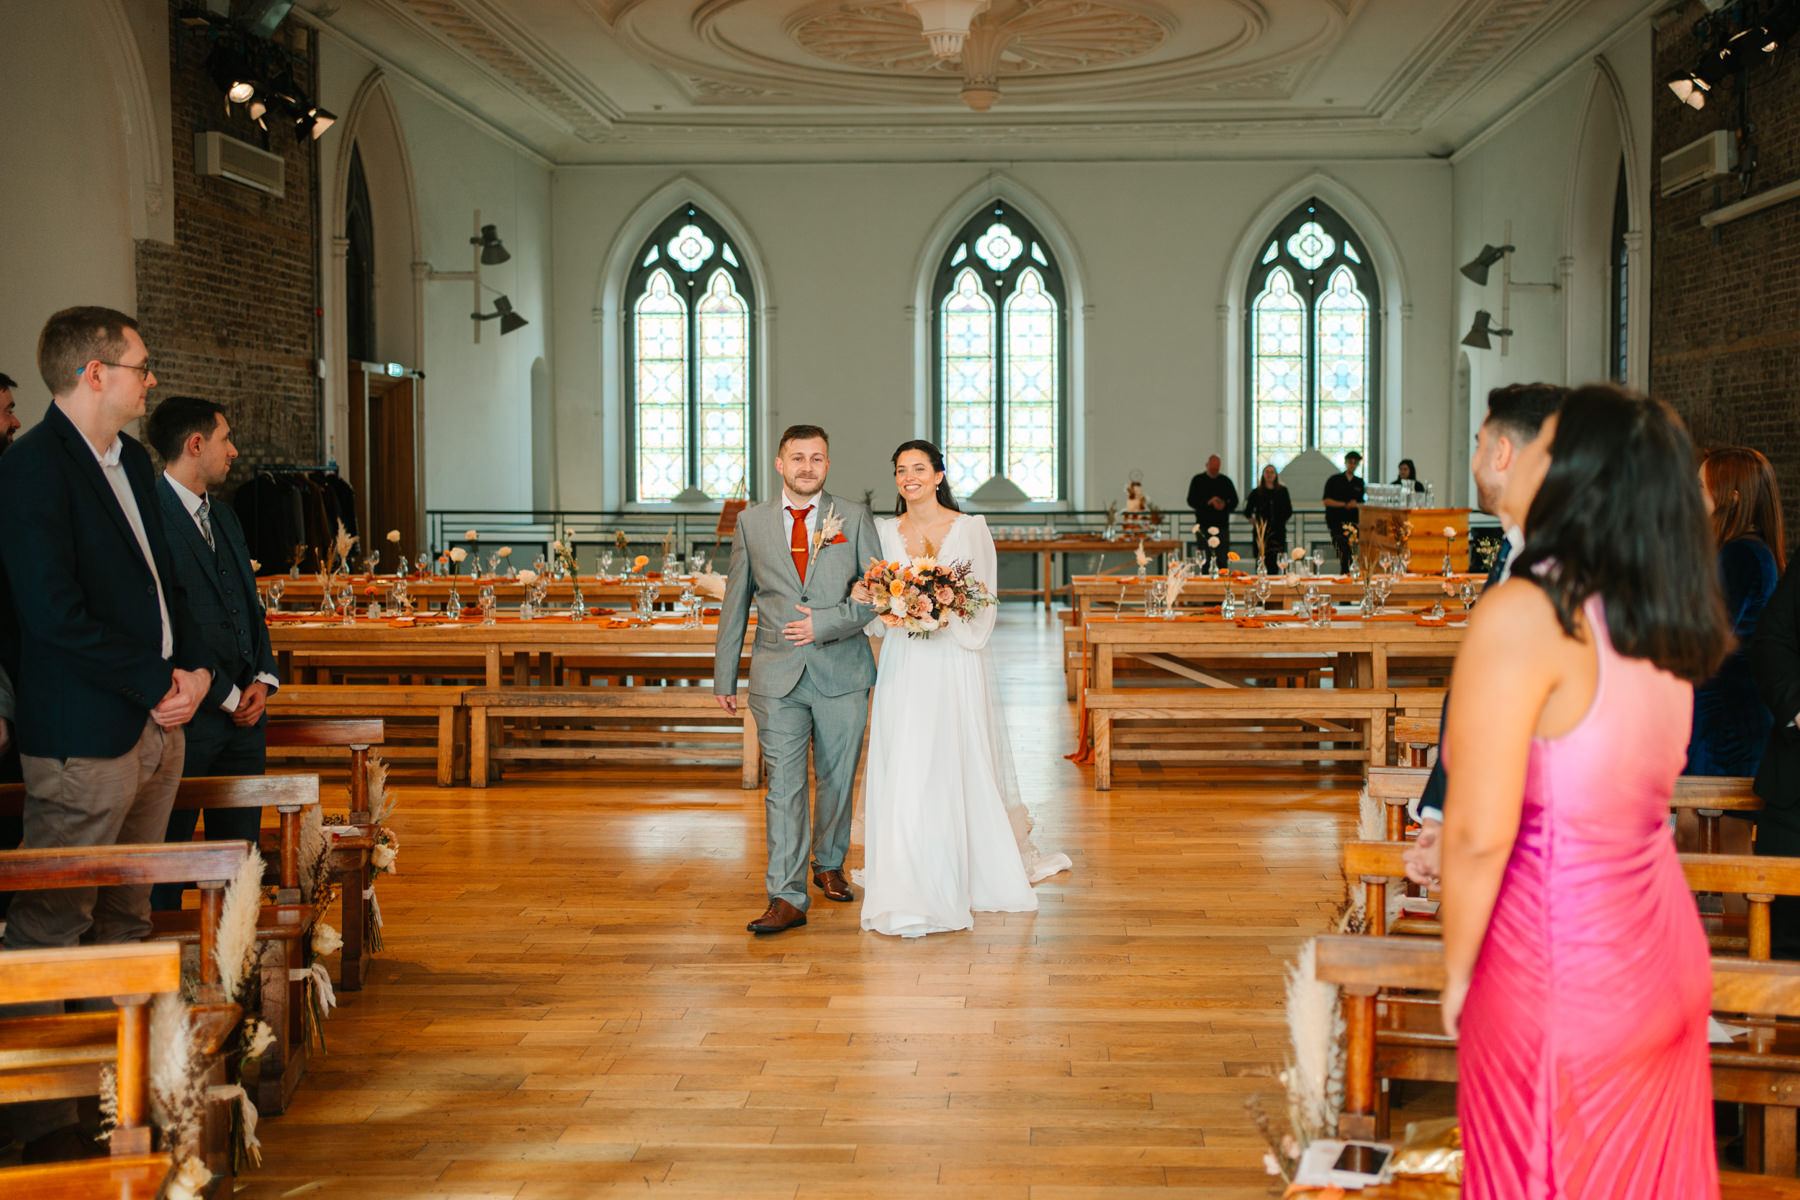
[1101, 593]
[304, 593]
[1047, 549]
[1365, 648]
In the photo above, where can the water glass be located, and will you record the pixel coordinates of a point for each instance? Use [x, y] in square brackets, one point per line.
[606, 562]
[645, 601]
[1154, 605]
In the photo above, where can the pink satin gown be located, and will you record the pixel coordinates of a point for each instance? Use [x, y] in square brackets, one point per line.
[1583, 1057]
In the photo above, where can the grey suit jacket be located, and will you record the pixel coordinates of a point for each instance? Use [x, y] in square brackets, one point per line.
[762, 568]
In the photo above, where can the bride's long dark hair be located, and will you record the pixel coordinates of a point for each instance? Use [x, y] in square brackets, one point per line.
[937, 464]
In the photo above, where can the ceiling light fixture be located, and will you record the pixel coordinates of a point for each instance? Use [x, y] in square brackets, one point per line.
[1476, 270]
[947, 22]
[485, 248]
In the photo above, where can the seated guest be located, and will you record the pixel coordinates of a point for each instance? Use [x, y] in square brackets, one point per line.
[1343, 508]
[1731, 722]
[1408, 476]
[1269, 502]
[227, 736]
[1576, 968]
[107, 665]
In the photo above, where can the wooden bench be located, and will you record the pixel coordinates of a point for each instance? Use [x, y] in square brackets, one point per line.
[1417, 739]
[437, 708]
[1363, 968]
[56, 1056]
[125, 1177]
[685, 722]
[349, 860]
[1244, 725]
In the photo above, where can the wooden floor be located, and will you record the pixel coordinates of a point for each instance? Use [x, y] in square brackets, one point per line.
[568, 1005]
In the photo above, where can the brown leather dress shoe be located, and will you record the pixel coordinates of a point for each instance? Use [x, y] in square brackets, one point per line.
[780, 915]
[834, 885]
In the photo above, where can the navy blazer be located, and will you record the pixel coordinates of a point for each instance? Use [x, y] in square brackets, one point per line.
[79, 600]
[221, 593]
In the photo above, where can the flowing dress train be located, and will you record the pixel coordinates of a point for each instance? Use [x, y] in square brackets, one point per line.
[945, 833]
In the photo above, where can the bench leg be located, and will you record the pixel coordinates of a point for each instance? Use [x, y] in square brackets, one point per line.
[1102, 722]
[752, 768]
[353, 876]
[478, 747]
[446, 746]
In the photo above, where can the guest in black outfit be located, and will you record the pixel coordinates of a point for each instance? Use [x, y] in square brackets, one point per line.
[1269, 500]
[1731, 722]
[107, 664]
[9, 424]
[1213, 497]
[1775, 662]
[1343, 506]
[1408, 476]
[227, 735]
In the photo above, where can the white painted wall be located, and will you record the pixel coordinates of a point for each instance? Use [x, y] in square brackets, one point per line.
[1550, 168]
[843, 245]
[67, 198]
[477, 398]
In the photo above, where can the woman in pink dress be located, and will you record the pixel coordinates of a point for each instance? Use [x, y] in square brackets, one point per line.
[1577, 975]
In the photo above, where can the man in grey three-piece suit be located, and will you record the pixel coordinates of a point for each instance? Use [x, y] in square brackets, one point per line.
[811, 669]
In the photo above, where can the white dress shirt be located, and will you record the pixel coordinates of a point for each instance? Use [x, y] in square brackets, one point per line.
[191, 502]
[1515, 542]
[114, 470]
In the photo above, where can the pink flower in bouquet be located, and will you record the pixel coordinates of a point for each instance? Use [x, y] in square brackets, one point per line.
[945, 595]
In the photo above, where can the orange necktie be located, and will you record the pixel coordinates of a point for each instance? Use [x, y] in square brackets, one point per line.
[798, 541]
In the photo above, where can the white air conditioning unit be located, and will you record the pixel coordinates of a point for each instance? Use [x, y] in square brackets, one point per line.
[227, 158]
[1695, 163]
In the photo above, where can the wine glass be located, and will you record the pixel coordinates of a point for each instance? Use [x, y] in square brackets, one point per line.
[1318, 560]
[369, 562]
[606, 562]
[1383, 585]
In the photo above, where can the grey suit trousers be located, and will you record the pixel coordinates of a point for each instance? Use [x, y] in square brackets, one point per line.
[787, 726]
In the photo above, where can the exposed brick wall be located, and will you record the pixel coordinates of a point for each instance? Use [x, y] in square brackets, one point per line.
[1725, 312]
[228, 310]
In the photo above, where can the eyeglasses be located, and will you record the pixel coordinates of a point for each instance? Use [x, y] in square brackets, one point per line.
[143, 368]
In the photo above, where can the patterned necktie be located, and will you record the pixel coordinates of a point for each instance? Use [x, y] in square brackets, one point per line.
[798, 538]
[203, 513]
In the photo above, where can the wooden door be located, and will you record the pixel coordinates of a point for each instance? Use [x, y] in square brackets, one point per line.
[394, 483]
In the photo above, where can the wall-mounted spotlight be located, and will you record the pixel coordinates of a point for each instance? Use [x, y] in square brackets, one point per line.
[492, 252]
[503, 309]
[1476, 269]
[1480, 331]
[485, 249]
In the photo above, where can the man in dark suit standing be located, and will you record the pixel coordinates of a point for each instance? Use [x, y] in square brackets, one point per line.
[108, 667]
[1213, 497]
[227, 735]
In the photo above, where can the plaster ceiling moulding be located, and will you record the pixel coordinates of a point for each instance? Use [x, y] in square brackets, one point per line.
[989, 131]
[509, 59]
[1220, 49]
[1474, 41]
[1044, 36]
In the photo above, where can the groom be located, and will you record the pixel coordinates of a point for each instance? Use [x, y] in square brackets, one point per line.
[798, 555]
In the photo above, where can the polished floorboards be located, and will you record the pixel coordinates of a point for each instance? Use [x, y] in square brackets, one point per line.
[568, 1006]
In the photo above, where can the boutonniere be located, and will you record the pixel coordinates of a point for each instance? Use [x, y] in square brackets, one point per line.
[831, 530]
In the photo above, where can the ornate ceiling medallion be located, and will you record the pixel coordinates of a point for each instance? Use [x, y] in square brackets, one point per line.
[1014, 37]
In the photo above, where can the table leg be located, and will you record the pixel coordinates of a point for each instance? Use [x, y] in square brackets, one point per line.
[1049, 562]
[1103, 669]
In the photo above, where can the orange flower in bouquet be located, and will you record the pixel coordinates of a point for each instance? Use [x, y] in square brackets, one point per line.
[922, 595]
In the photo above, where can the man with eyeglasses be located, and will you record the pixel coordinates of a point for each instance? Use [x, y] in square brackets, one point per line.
[107, 664]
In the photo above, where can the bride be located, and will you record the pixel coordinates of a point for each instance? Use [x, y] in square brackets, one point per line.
[945, 833]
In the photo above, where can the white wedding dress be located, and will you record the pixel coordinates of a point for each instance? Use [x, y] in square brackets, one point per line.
[945, 833]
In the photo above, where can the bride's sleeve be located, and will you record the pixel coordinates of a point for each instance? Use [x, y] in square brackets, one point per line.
[974, 634]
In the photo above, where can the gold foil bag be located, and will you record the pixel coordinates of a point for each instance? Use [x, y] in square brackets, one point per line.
[1432, 1148]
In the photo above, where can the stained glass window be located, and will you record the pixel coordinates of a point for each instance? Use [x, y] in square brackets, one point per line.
[691, 344]
[1311, 319]
[999, 319]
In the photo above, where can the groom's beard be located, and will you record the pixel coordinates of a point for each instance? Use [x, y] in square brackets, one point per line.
[804, 490]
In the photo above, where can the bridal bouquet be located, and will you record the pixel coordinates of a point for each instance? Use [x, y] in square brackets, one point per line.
[921, 595]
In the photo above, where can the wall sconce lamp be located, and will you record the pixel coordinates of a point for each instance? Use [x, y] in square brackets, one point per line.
[485, 249]
[1476, 271]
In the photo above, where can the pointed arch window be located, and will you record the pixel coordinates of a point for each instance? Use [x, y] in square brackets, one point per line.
[690, 346]
[1618, 331]
[999, 313]
[1312, 319]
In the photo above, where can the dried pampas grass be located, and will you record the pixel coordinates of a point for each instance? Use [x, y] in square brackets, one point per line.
[313, 848]
[1314, 1077]
[235, 950]
[176, 1093]
[381, 801]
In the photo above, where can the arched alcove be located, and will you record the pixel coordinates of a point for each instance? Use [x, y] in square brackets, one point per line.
[1395, 295]
[1604, 150]
[611, 313]
[998, 186]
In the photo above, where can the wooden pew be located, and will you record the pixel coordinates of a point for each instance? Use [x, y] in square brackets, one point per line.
[1416, 738]
[60, 1055]
[1258, 724]
[1363, 968]
[349, 861]
[439, 704]
[126, 1177]
[688, 717]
